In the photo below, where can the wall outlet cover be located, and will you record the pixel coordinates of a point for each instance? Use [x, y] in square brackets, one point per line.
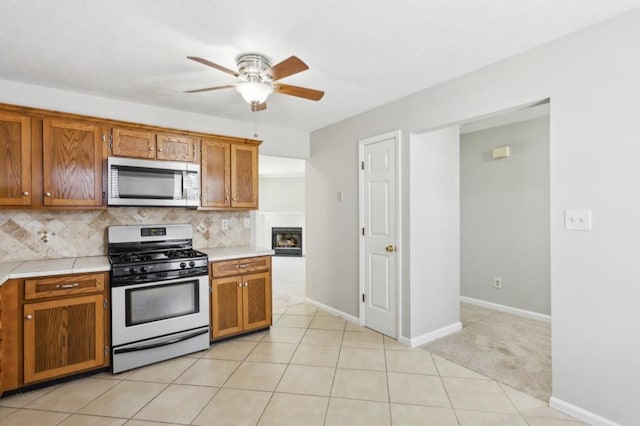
[577, 220]
[247, 223]
[225, 224]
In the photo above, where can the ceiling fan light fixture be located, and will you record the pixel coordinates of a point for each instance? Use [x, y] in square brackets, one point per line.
[254, 92]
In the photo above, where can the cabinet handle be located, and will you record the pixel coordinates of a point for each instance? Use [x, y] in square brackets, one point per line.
[28, 317]
[246, 284]
[151, 148]
[25, 193]
[47, 194]
[159, 149]
[239, 284]
[63, 286]
[242, 265]
[226, 198]
[234, 199]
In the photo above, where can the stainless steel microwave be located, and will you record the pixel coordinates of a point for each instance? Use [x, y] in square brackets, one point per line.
[134, 182]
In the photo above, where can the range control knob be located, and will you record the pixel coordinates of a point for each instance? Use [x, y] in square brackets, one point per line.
[192, 264]
[183, 265]
[144, 269]
[133, 270]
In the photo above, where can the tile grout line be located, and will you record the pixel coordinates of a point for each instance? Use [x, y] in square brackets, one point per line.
[446, 391]
[335, 372]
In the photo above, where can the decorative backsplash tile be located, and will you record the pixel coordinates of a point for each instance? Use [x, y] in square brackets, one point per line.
[45, 234]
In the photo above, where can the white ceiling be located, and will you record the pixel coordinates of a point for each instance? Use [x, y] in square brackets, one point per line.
[363, 53]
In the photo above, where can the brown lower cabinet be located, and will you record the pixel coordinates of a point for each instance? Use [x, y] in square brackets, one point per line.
[240, 296]
[53, 327]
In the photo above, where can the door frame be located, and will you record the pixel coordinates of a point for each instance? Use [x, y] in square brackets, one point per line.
[397, 134]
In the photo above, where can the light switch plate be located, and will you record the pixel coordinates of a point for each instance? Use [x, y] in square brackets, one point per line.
[247, 223]
[577, 220]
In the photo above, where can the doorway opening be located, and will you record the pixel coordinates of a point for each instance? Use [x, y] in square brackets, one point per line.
[505, 251]
[281, 207]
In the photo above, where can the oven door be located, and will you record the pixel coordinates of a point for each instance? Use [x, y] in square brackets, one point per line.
[151, 310]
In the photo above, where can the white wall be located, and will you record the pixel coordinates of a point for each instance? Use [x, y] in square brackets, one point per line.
[281, 194]
[592, 79]
[434, 211]
[504, 206]
[276, 141]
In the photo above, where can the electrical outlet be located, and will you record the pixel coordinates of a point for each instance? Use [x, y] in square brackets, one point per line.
[247, 223]
[497, 282]
[225, 224]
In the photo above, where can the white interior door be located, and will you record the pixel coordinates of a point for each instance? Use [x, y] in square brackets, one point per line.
[379, 215]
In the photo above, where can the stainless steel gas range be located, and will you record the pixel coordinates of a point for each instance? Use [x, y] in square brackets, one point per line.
[159, 294]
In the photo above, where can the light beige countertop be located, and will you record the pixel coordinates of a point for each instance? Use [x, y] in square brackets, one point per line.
[80, 265]
[236, 252]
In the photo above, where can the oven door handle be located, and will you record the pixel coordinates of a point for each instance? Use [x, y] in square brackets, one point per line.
[161, 344]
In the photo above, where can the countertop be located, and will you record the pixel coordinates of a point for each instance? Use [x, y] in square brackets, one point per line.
[79, 265]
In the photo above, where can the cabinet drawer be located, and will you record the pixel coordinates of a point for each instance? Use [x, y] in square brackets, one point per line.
[63, 286]
[240, 266]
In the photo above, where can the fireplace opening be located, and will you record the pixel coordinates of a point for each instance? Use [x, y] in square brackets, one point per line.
[286, 241]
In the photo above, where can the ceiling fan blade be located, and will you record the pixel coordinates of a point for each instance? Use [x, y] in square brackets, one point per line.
[212, 65]
[258, 107]
[301, 92]
[206, 89]
[290, 66]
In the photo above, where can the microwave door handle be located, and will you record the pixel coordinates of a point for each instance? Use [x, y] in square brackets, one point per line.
[178, 186]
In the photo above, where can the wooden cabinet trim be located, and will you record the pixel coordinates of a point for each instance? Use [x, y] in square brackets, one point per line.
[31, 309]
[252, 276]
[240, 266]
[66, 285]
[220, 308]
[133, 143]
[60, 180]
[108, 123]
[254, 286]
[8, 149]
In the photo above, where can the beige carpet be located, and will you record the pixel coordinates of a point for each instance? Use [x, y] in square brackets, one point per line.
[508, 348]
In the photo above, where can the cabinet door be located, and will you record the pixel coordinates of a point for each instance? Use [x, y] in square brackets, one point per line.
[63, 336]
[215, 170]
[175, 147]
[133, 143]
[256, 300]
[72, 163]
[15, 160]
[244, 177]
[226, 306]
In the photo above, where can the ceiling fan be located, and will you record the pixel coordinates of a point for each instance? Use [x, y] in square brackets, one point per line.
[260, 79]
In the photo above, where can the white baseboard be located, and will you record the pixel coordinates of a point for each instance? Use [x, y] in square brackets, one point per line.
[580, 413]
[341, 314]
[507, 309]
[431, 336]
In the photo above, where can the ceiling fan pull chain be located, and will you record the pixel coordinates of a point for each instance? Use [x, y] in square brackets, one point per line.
[255, 125]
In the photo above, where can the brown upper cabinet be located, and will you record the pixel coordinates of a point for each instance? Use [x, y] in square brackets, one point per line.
[229, 174]
[15, 151]
[72, 154]
[151, 145]
[52, 159]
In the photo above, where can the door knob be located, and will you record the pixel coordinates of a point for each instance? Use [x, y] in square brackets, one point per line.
[28, 317]
[389, 249]
[47, 194]
[25, 193]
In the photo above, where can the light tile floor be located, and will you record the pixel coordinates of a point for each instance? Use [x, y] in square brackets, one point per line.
[311, 368]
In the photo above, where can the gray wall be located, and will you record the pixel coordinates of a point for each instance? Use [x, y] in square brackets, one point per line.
[505, 216]
[434, 212]
[592, 80]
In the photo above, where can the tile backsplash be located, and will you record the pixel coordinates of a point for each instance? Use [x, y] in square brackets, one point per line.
[45, 234]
